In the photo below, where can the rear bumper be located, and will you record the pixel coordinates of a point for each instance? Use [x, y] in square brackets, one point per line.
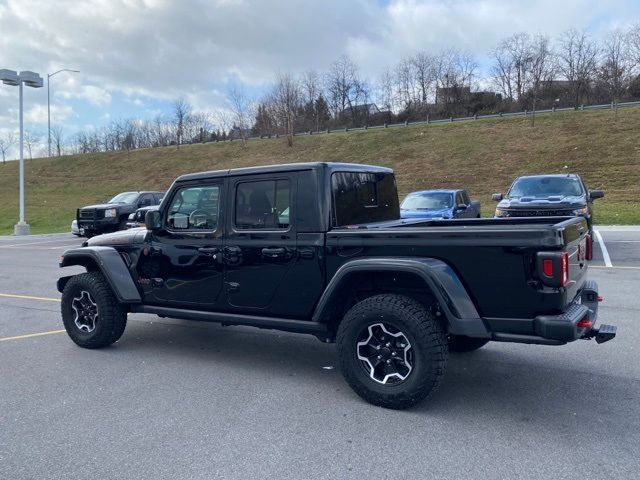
[576, 322]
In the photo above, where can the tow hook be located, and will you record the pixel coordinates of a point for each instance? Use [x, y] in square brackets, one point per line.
[602, 334]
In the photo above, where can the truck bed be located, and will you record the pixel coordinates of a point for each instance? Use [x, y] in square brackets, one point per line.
[494, 258]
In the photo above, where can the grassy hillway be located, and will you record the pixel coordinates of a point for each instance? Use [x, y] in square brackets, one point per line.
[482, 156]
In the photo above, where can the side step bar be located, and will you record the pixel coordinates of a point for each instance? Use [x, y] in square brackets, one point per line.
[287, 325]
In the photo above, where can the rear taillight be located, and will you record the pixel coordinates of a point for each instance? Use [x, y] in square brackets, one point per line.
[547, 268]
[564, 269]
[553, 268]
[584, 323]
[588, 254]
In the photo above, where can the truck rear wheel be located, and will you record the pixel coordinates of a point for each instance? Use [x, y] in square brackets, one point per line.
[461, 344]
[91, 314]
[392, 350]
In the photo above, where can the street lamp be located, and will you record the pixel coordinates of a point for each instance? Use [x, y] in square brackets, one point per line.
[30, 79]
[49, 75]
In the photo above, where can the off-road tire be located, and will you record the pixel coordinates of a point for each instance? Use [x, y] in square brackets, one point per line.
[462, 344]
[426, 336]
[112, 316]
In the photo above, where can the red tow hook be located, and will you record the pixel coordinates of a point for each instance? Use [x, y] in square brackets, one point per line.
[600, 298]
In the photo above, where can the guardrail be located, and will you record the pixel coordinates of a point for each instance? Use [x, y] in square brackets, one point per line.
[428, 121]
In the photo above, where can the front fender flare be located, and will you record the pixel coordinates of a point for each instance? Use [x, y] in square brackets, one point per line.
[455, 302]
[112, 266]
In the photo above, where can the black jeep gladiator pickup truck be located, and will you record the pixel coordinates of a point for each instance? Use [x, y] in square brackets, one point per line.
[320, 248]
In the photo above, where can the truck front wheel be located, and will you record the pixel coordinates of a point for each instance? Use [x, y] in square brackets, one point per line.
[392, 350]
[461, 344]
[91, 314]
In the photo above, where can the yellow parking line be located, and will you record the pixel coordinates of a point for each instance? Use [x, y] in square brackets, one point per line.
[29, 297]
[29, 335]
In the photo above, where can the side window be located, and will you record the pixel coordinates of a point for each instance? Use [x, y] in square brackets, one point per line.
[145, 200]
[361, 197]
[194, 208]
[263, 205]
[465, 198]
[459, 200]
[158, 198]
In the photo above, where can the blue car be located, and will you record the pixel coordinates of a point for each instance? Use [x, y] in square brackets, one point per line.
[439, 204]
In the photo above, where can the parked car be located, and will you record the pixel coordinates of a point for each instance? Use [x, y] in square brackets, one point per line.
[74, 228]
[439, 204]
[113, 215]
[395, 295]
[136, 219]
[561, 195]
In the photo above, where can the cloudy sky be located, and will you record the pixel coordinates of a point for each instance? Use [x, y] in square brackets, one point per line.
[136, 56]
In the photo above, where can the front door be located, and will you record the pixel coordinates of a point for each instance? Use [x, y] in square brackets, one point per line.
[260, 242]
[183, 264]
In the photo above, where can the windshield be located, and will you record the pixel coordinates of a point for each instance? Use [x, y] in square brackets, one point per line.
[543, 187]
[126, 197]
[428, 201]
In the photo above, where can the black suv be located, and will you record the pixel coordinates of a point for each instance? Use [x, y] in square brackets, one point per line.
[562, 195]
[320, 248]
[113, 215]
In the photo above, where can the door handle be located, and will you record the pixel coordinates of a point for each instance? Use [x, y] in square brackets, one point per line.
[274, 252]
[209, 251]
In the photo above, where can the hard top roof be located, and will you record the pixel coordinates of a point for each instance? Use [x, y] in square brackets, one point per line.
[286, 167]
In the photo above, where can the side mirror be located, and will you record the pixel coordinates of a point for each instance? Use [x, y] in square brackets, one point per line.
[497, 197]
[593, 194]
[462, 206]
[152, 220]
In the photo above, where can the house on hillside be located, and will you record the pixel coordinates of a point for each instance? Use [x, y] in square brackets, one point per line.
[365, 114]
[448, 95]
[360, 111]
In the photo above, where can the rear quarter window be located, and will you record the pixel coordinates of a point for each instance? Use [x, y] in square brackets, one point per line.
[362, 197]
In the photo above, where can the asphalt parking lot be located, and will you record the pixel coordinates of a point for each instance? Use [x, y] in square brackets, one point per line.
[174, 399]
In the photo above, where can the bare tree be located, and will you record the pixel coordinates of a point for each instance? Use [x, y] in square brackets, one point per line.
[31, 139]
[286, 100]
[343, 85]
[6, 142]
[577, 61]
[384, 90]
[541, 67]
[240, 109]
[454, 72]
[512, 65]
[424, 71]
[181, 113]
[634, 43]
[57, 138]
[617, 64]
[311, 90]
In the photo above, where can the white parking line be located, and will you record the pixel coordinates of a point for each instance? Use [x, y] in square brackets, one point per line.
[27, 244]
[603, 248]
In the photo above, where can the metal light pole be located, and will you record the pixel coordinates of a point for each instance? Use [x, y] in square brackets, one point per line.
[49, 75]
[30, 79]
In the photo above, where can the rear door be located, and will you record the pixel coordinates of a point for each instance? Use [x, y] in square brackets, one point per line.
[260, 242]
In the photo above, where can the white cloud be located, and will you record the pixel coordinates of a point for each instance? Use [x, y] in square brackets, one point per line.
[92, 94]
[38, 114]
[164, 49]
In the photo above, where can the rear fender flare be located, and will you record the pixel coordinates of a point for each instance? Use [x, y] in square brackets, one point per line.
[108, 261]
[456, 304]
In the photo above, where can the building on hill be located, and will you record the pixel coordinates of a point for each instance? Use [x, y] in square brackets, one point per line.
[365, 114]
